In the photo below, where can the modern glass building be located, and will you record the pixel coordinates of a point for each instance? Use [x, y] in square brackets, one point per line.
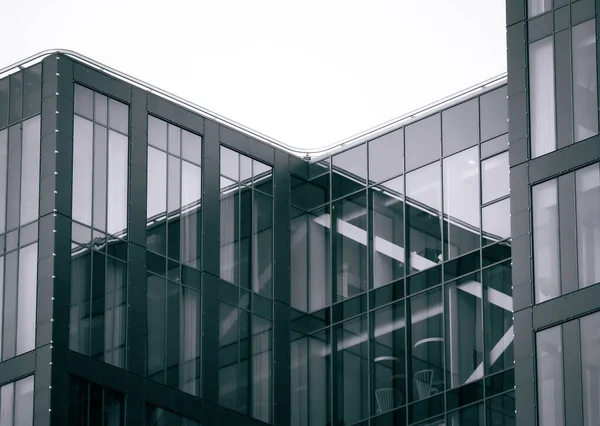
[163, 265]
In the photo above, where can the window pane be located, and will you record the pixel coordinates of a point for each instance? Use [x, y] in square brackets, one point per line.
[541, 86]
[494, 177]
[27, 298]
[157, 133]
[117, 183]
[545, 241]
[9, 322]
[174, 135]
[426, 345]
[537, 7]
[350, 222]
[84, 102]
[190, 225]
[100, 179]
[156, 201]
[386, 156]
[23, 402]
[590, 368]
[4, 102]
[461, 202]
[585, 100]
[100, 109]
[191, 147]
[460, 126]
[388, 233]
[82, 170]
[14, 176]
[424, 205]
[389, 357]
[3, 170]
[500, 411]
[496, 222]
[79, 330]
[262, 370]
[349, 171]
[464, 331]
[352, 370]
[16, 97]
[115, 300]
[550, 377]
[32, 90]
[230, 232]
[262, 245]
[30, 170]
[230, 163]
[588, 224]
[423, 142]
[156, 308]
[118, 116]
[494, 146]
[472, 415]
[229, 374]
[7, 402]
[174, 188]
[189, 341]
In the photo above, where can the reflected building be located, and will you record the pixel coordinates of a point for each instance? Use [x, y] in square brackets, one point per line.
[163, 265]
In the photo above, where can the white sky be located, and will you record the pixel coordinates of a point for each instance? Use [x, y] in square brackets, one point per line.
[308, 73]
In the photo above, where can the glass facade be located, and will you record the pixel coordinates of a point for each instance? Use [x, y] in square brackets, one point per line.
[16, 403]
[92, 404]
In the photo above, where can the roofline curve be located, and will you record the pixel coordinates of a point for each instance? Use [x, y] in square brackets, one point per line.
[315, 152]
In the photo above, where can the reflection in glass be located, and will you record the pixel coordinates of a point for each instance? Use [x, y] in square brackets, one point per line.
[3, 168]
[496, 221]
[545, 240]
[230, 163]
[7, 402]
[541, 98]
[494, 146]
[156, 416]
[99, 176]
[118, 116]
[262, 244]
[388, 232]
[423, 216]
[4, 91]
[550, 386]
[157, 133]
[590, 368]
[494, 177]
[191, 147]
[30, 170]
[311, 364]
[500, 411]
[84, 102]
[498, 321]
[587, 182]
[461, 202]
[460, 127]
[585, 100]
[349, 171]
[389, 357]
[14, 176]
[536, 7]
[27, 299]
[310, 260]
[469, 416]
[83, 142]
[190, 226]
[32, 90]
[423, 142]
[426, 363]
[386, 156]
[352, 370]
[464, 331]
[23, 402]
[90, 403]
[262, 371]
[350, 232]
[156, 314]
[9, 322]
[230, 232]
[117, 183]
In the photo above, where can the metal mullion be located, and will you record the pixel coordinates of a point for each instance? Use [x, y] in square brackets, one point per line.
[105, 196]
[166, 304]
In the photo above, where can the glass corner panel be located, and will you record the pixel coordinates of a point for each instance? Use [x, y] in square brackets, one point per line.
[550, 384]
[541, 97]
[546, 241]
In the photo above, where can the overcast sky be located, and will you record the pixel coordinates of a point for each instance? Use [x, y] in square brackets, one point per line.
[308, 73]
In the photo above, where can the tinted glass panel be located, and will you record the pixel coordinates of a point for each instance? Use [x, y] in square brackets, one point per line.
[262, 331]
[350, 225]
[157, 133]
[349, 171]
[32, 90]
[386, 156]
[262, 244]
[426, 345]
[536, 7]
[191, 148]
[30, 170]
[545, 240]
[423, 211]
[4, 90]
[3, 170]
[388, 233]
[117, 183]
[461, 202]
[472, 415]
[550, 377]
[590, 368]
[541, 98]
[496, 222]
[494, 146]
[84, 102]
[494, 113]
[14, 176]
[156, 308]
[587, 182]
[388, 370]
[83, 154]
[23, 402]
[118, 116]
[500, 411]
[494, 177]
[585, 100]
[460, 126]
[16, 97]
[423, 140]
[27, 298]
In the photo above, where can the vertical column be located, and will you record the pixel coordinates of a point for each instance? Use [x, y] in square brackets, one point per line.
[210, 275]
[52, 333]
[281, 370]
[525, 408]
